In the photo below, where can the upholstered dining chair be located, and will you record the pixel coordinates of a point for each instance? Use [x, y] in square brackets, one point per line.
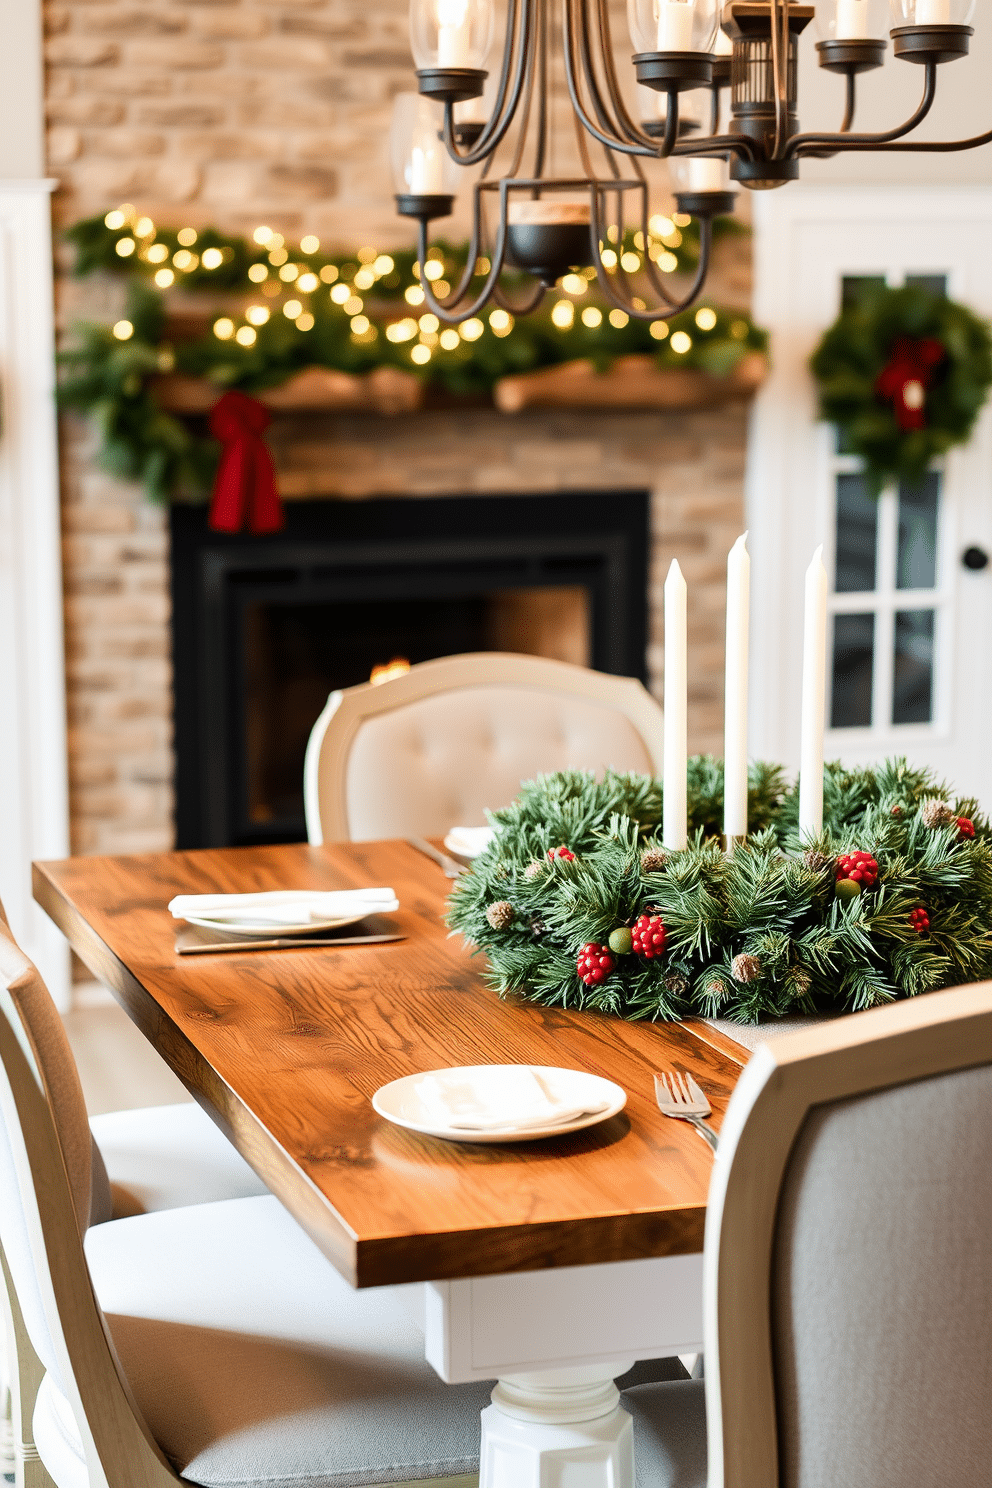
[433, 748]
[847, 1285]
[215, 1341]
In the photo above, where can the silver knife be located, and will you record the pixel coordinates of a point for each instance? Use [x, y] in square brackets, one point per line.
[451, 868]
[216, 947]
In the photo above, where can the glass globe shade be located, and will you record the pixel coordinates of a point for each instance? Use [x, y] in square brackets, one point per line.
[450, 33]
[931, 12]
[421, 164]
[852, 20]
[672, 25]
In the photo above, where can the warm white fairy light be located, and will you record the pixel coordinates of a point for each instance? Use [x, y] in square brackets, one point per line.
[429, 323]
[258, 272]
[257, 315]
[367, 255]
[501, 323]
[224, 328]
[353, 305]
[278, 256]
[115, 220]
[310, 244]
[212, 258]
[164, 278]
[187, 236]
[125, 247]
[618, 319]
[340, 293]
[609, 258]
[681, 343]
[433, 269]
[185, 260]
[706, 318]
[289, 272]
[384, 265]
[420, 355]
[413, 294]
[123, 330]
[308, 283]
[359, 324]
[262, 235]
[292, 309]
[402, 330]
[563, 314]
[364, 279]
[329, 273]
[592, 317]
[450, 339]
[144, 227]
[630, 262]
[667, 263]
[658, 329]
[574, 284]
[471, 330]
[245, 336]
[305, 322]
[156, 253]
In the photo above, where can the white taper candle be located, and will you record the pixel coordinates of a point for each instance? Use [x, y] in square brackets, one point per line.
[675, 25]
[933, 12]
[814, 698]
[675, 823]
[735, 691]
[852, 20]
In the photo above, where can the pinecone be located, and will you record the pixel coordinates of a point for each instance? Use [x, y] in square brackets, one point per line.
[534, 868]
[936, 814]
[677, 984]
[745, 968]
[816, 861]
[801, 981]
[501, 915]
[653, 860]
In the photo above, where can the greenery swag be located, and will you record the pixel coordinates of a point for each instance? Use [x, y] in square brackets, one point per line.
[278, 309]
[892, 899]
[903, 373]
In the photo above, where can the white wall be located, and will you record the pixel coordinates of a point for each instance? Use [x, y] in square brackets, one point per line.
[22, 111]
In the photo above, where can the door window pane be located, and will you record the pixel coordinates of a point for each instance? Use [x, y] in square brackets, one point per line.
[857, 536]
[916, 566]
[935, 283]
[912, 690]
[851, 286]
[854, 653]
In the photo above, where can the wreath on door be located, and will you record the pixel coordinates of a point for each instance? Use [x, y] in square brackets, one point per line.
[904, 374]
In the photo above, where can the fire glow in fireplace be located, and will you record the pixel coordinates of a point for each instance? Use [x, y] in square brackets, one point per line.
[265, 627]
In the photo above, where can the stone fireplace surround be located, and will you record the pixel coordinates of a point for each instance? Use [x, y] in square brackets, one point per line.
[116, 562]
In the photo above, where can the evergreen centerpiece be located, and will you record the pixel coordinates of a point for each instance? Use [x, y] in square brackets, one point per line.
[904, 374]
[892, 898]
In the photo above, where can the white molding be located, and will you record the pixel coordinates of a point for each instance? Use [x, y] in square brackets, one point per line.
[34, 812]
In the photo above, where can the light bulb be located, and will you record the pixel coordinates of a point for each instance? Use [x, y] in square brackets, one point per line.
[451, 33]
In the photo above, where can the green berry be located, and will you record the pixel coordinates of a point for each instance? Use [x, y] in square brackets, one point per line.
[847, 888]
[621, 942]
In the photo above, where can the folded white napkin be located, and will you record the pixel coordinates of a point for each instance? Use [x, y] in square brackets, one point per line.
[469, 842]
[503, 1097]
[284, 906]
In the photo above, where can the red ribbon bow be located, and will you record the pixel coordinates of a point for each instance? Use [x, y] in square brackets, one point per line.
[245, 483]
[904, 382]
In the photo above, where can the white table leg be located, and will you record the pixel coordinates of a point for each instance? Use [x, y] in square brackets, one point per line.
[559, 1428]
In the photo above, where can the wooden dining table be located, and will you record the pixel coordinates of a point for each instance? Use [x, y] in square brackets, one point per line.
[550, 1265]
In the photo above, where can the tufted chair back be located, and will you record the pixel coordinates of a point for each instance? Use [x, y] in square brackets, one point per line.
[435, 748]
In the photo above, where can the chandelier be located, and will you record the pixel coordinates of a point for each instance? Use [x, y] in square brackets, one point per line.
[542, 224]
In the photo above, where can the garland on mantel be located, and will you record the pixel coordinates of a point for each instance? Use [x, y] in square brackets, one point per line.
[577, 903]
[277, 309]
[904, 374]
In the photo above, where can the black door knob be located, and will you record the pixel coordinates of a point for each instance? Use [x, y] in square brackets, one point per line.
[975, 559]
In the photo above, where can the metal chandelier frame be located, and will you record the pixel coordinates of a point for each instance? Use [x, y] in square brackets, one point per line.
[763, 146]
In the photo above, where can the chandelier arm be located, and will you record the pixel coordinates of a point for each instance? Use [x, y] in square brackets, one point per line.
[599, 235]
[852, 103]
[613, 143]
[495, 131]
[446, 311]
[627, 126]
[674, 307]
[577, 15]
[717, 144]
[714, 108]
[930, 147]
[528, 101]
[468, 273]
[541, 70]
[801, 144]
[506, 304]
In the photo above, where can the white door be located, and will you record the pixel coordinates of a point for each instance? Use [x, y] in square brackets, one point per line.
[911, 617]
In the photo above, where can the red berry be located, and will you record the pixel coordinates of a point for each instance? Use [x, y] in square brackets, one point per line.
[860, 867]
[594, 964]
[966, 827]
[561, 852]
[920, 920]
[648, 936]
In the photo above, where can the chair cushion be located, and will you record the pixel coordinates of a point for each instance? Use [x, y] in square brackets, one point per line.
[255, 1364]
[440, 762]
[165, 1157]
[669, 1434]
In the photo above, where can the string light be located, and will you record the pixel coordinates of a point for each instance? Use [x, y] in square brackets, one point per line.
[403, 330]
[278, 256]
[257, 273]
[125, 247]
[364, 279]
[305, 321]
[619, 319]
[329, 273]
[429, 323]
[353, 305]
[224, 328]
[667, 263]
[630, 262]
[367, 255]
[471, 330]
[164, 278]
[340, 293]
[433, 269]
[681, 343]
[156, 253]
[706, 318]
[257, 315]
[185, 260]
[450, 339]
[245, 336]
[501, 323]
[414, 295]
[187, 236]
[310, 244]
[289, 272]
[114, 220]
[574, 284]
[658, 329]
[308, 283]
[592, 317]
[384, 265]
[123, 330]
[212, 258]
[262, 235]
[420, 354]
[359, 324]
[144, 228]
[292, 309]
[609, 258]
[563, 314]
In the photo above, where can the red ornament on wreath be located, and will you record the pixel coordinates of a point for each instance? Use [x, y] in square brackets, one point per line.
[860, 867]
[563, 852]
[906, 379]
[966, 827]
[648, 936]
[920, 920]
[594, 964]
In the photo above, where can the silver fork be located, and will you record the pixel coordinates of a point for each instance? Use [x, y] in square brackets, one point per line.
[680, 1097]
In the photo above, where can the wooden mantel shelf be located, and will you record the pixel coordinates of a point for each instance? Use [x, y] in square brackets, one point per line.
[633, 382]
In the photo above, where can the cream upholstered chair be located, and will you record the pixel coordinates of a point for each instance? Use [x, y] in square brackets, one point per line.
[215, 1342]
[847, 1285]
[434, 748]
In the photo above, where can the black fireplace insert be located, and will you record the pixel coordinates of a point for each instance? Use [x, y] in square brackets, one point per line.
[264, 628]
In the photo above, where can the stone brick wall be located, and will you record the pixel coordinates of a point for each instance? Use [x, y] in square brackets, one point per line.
[240, 111]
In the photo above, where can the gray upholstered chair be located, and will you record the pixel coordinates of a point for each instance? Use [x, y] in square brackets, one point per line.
[848, 1290]
[215, 1342]
[434, 748]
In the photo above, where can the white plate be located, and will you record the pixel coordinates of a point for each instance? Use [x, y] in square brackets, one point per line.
[242, 928]
[399, 1102]
[468, 842]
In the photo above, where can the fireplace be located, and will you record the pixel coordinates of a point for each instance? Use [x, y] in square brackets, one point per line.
[265, 627]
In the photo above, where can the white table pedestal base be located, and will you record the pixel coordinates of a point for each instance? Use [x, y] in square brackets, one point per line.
[561, 1428]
